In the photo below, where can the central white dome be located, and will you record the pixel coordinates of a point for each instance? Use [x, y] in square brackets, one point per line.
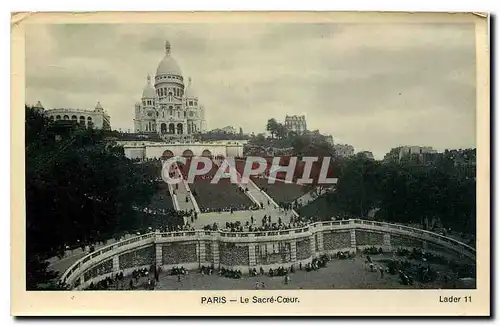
[168, 66]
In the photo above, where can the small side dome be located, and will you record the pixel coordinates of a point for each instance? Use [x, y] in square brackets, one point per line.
[190, 92]
[98, 105]
[149, 90]
[38, 105]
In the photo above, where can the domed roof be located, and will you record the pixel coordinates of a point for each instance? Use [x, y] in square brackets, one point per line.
[98, 105]
[168, 66]
[190, 92]
[149, 90]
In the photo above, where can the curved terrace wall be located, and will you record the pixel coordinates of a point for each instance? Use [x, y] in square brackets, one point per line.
[244, 250]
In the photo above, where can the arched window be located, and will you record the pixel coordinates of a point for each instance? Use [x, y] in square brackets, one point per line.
[58, 117]
[74, 118]
[51, 118]
[82, 120]
[66, 117]
[161, 91]
[170, 111]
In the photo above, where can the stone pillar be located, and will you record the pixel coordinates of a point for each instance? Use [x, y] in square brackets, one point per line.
[202, 255]
[320, 241]
[312, 243]
[353, 239]
[116, 263]
[293, 251]
[159, 254]
[387, 241]
[215, 252]
[252, 261]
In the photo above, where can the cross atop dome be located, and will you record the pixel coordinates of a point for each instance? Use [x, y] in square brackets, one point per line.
[189, 81]
[149, 79]
[168, 65]
[167, 47]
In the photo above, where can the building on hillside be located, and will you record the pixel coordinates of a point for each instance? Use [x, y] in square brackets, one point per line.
[343, 150]
[296, 123]
[367, 154]
[415, 150]
[39, 107]
[415, 154]
[97, 118]
[229, 130]
[168, 106]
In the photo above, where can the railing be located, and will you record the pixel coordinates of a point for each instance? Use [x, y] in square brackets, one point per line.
[98, 253]
[271, 235]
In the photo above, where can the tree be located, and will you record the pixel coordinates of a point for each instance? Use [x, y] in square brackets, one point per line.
[80, 187]
[281, 131]
[441, 190]
[272, 126]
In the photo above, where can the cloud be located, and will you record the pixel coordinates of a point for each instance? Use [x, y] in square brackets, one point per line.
[374, 86]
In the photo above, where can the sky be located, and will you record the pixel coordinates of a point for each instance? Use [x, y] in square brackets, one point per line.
[374, 86]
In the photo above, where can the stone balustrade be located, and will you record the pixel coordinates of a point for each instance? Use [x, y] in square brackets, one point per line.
[247, 250]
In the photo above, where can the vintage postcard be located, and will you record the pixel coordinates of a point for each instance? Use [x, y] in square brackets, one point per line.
[250, 164]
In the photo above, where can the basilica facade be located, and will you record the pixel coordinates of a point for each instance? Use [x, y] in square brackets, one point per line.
[169, 106]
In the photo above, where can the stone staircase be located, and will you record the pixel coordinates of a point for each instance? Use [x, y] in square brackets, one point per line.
[256, 194]
[182, 191]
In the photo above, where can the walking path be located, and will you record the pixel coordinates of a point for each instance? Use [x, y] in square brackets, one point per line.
[182, 192]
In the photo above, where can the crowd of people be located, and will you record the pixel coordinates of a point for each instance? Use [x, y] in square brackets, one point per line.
[317, 263]
[267, 224]
[178, 271]
[406, 269]
[207, 270]
[107, 283]
[137, 280]
[230, 273]
[231, 208]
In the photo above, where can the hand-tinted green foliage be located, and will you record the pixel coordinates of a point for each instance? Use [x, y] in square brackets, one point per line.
[444, 189]
[79, 186]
